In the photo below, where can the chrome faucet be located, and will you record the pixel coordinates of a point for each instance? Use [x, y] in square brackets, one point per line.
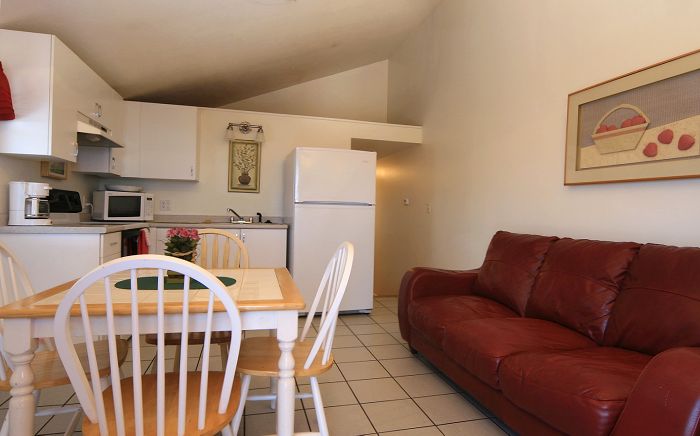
[233, 218]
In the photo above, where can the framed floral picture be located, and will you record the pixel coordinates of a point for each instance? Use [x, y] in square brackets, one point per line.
[244, 166]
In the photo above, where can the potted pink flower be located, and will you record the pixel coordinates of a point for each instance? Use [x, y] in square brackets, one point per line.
[182, 243]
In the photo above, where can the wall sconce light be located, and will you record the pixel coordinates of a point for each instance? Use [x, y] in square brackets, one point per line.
[244, 128]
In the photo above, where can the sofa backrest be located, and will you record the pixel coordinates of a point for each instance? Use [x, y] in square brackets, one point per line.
[579, 282]
[659, 305]
[510, 267]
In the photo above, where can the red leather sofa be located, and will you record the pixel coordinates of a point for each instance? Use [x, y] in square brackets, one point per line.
[567, 336]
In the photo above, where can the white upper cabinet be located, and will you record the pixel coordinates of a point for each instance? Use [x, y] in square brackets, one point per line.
[160, 141]
[98, 101]
[50, 85]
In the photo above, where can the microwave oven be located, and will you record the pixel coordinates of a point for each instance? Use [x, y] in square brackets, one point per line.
[122, 206]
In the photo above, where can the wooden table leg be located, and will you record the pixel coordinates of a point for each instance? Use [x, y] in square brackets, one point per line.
[20, 347]
[286, 335]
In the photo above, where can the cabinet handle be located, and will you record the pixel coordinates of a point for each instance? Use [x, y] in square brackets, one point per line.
[75, 148]
[191, 170]
[112, 244]
[242, 237]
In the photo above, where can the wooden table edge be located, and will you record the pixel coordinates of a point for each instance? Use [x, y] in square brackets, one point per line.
[25, 308]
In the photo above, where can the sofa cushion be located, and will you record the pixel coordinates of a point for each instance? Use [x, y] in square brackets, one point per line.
[579, 392]
[659, 305]
[510, 266]
[479, 346]
[430, 315]
[578, 283]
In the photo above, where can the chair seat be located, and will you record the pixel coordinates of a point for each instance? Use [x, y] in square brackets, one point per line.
[259, 356]
[214, 421]
[194, 338]
[49, 371]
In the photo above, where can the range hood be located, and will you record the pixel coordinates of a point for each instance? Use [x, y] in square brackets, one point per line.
[93, 134]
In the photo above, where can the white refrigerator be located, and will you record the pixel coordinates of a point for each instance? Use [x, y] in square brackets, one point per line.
[330, 198]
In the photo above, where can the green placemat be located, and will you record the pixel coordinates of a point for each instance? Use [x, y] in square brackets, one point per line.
[150, 283]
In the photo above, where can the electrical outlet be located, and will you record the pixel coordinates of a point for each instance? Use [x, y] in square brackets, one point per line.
[164, 205]
[428, 208]
[406, 201]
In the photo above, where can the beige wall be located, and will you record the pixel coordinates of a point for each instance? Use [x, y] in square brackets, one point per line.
[283, 133]
[489, 82]
[12, 168]
[357, 94]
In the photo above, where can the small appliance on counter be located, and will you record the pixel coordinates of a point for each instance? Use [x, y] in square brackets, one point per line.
[29, 204]
[122, 206]
[62, 201]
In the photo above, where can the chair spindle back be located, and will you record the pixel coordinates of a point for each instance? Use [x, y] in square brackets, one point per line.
[118, 304]
[331, 290]
[219, 249]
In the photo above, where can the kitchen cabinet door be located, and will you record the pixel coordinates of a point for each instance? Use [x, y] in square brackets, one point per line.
[100, 161]
[131, 157]
[42, 73]
[161, 141]
[78, 254]
[99, 102]
[267, 248]
[50, 84]
[160, 235]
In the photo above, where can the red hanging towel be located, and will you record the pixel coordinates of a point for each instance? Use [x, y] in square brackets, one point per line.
[6, 111]
[142, 242]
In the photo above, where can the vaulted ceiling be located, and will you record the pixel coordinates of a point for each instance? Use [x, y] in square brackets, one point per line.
[214, 52]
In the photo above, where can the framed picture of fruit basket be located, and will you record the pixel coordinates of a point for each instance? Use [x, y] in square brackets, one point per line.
[244, 166]
[644, 125]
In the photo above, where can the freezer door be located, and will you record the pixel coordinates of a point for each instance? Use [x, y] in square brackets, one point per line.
[335, 175]
[316, 233]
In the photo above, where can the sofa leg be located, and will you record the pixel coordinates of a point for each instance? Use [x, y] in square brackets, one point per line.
[412, 350]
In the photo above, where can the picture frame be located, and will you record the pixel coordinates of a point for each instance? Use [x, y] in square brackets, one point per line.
[244, 166]
[644, 125]
[54, 169]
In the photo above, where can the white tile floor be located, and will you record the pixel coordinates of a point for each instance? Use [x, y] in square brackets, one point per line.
[375, 387]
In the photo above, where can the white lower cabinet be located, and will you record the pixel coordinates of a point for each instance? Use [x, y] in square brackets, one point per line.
[51, 259]
[267, 248]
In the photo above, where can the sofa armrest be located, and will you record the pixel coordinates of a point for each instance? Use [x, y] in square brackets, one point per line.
[422, 282]
[666, 398]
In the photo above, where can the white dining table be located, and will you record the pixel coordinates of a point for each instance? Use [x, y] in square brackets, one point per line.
[266, 299]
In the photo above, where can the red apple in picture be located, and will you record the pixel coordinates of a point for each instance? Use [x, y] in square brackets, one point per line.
[638, 120]
[612, 127]
[651, 149]
[666, 136]
[626, 123]
[601, 129]
[685, 142]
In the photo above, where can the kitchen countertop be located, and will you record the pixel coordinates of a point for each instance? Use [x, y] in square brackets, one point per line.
[218, 225]
[111, 227]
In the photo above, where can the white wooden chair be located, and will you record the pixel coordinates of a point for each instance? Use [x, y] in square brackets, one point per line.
[182, 402]
[260, 355]
[218, 249]
[48, 372]
[215, 250]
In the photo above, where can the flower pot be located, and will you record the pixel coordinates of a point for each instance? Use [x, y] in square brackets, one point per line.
[176, 277]
[244, 179]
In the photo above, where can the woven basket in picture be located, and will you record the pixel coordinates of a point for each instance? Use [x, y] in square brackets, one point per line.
[623, 138]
